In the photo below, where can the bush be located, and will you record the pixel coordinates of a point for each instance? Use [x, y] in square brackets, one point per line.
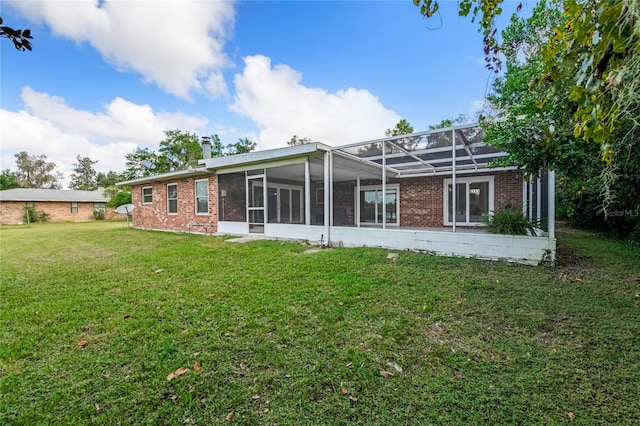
[98, 214]
[122, 197]
[29, 215]
[511, 221]
[43, 216]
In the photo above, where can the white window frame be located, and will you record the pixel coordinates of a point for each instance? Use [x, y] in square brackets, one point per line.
[389, 187]
[74, 207]
[169, 199]
[144, 195]
[195, 196]
[466, 181]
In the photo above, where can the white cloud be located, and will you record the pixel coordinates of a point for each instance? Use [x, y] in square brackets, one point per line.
[50, 127]
[176, 44]
[281, 107]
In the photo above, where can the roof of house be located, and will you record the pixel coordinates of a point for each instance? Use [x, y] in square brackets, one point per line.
[60, 195]
[217, 163]
[433, 152]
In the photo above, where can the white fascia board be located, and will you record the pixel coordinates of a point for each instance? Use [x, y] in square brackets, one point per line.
[264, 156]
[166, 176]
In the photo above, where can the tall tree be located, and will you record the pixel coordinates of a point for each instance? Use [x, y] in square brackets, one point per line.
[20, 38]
[217, 149]
[8, 180]
[106, 180]
[243, 146]
[181, 149]
[597, 46]
[84, 175]
[143, 162]
[34, 171]
[295, 140]
[402, 128]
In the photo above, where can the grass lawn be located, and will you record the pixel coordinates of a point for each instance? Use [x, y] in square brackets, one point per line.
[345, 336]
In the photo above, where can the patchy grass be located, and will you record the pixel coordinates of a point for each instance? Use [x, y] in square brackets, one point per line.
[289, 338]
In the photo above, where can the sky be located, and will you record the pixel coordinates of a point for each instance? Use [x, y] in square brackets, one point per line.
[107, 76]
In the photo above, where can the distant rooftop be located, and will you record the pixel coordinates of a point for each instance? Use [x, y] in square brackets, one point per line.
[61, 195]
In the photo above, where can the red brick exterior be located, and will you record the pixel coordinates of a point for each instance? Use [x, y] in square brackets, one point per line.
[12, 212]
[421, 201]
[155, 216]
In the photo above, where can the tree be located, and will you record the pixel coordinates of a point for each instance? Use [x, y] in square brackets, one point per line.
[84, 175]
[596, 45]
[295, 140]
[109, 179]
[243, 146]
[450, 122]
[8, 180]
[217, 149]
[181, 149]
[34, 171]
[142, 162]
[402, 128]
[533, 120]
[20, 38]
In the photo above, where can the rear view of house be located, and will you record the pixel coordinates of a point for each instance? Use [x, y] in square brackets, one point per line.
[428, 191]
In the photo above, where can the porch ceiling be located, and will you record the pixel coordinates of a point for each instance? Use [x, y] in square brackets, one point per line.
[425, 153]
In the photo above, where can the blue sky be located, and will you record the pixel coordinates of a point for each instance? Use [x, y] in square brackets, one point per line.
[105, 77]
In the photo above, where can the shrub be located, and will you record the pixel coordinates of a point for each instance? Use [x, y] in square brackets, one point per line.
[510, 221]
[43, 216]
[122, 197]
[98, 214]
[29, 215]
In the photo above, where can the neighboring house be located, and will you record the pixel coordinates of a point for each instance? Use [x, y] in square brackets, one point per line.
[59, 204]
[398, 192]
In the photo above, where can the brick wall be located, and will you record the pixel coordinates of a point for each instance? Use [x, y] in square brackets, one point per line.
[155, 216]
[422, 199]
[11, 212]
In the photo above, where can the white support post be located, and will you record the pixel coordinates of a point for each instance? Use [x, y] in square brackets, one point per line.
[246, 194]
[326, 198]
[331, 188]
[530, 200]
[454, 188]
[551, 203]
[357, 212]
[307, 193]
[524, 197]
[384, 185]
[539, 197]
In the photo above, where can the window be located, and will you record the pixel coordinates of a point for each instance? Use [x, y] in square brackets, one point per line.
[74, 207]
[101, 207]
[202, 196]
[147, 195]
[172, 198]
[474, 200]
[371, 205]
[320, 195]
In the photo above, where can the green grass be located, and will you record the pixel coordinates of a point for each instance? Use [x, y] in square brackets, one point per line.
[280, 335]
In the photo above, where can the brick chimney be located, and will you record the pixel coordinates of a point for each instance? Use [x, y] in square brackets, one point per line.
[206, 147]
